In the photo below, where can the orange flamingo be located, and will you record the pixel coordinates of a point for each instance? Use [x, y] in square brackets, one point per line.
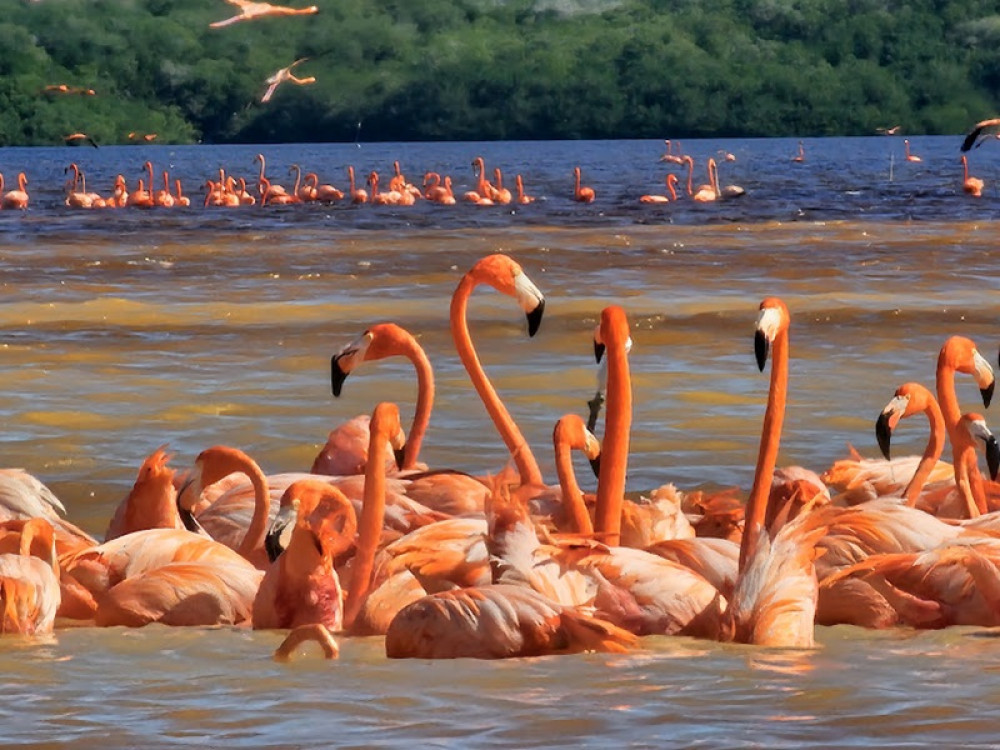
[224, 523]
[581, 194]
[774, 600]
[324, 193]
[358, 195]
[388, 198]
[507, 277]
[282, 76]
[180, 198]
[501, 194]
[29, 581]
[670, 155]
[709, 192]
[522, 198]
[252, 10]
[301, 587]
[271, 189]
[152, 501]
[270, 196]
[16, 198]
[671, 182]
[906, 151]
[119, 196]
[801, 155]
[306, 193]
[571, 433]
[971, 185]
[164, 198]
[433, 189]
[75, 198]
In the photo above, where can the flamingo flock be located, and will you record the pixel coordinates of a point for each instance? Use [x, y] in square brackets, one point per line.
[443, 563]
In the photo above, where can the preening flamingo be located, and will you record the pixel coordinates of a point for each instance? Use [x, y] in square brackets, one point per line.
[581, 194]
[506, 276]
[251, 10]
[152, 501]
[29, 580]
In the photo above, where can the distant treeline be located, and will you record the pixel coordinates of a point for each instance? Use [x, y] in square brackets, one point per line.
[496, 69]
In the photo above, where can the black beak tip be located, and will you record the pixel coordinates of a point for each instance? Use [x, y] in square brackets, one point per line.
[337, 376]
[993, 457]
[987, 393]
[535, 318]
[760, 347]
[883, 433]
[399, 455]
[594, 410]
[595, 465]
[598, 351]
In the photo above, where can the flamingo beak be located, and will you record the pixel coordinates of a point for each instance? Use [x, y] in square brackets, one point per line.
[760, 348]
[883, 433]
[594, 410]
[993, 456]
[595, 466]
[337, 375]
[599, 351]
[535, 318]
[280, 531]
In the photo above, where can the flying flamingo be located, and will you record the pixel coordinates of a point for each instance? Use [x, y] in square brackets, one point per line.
[671, 182]
[581, 194]
[284, 75]
[971, 185]
[506, 276]
[906, 151]
[29, 581]
[16, 198]
[977, 130]
[251, 10]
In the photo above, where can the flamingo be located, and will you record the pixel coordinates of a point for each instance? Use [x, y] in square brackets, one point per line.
[581, 194]
[301, 587]
[119, 195]
[324, 193]
[75, 198]
[971, 185]
[906, 151]
[180, 198]
[709, 192]
[433, 189]
[774, 600]
[252, 10]
[305, 193]
[506, 276]
[358, 195]
[282, 76]
[29, 581]
[671, 182]
[670, 156]
[272, 190]
[164, 197]
[269, 195]
[501, 194]
[16, 198]
[801, 155]
[483, 194]
[389, 198]
[312, 632]
[571, 433]
[521, 197]
[152, 501]
[972, 136]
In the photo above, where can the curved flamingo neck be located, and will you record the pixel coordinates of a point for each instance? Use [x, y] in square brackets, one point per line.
[425, 402]
[371, 520]
[968, 479]
[254, 538]
[767, 455]
[614, 447]
[932, 452]
[524, 459]
[572, 495]
[948, 402]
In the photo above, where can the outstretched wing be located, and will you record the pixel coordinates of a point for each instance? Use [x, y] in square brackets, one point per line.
[977, 130]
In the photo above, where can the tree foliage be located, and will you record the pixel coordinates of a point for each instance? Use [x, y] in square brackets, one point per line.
[497, 69]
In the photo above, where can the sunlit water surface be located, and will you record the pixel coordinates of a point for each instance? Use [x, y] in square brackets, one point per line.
[123, 331]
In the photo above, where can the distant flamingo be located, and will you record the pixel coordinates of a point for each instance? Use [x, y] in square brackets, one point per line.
[906, 151]
[801, 155]
[502, 195]
[670, 156]
[358, 195]
[324, 193]
[180, 198]
[251, 10]
[164, 197]
[16, 198]
[507, 277]
[971, 185]
[671, 182]
[581, 194]
[521, 197]
[709, 192]
[272, 190]
[387, 198]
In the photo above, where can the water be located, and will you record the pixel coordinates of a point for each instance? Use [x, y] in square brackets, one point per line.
[126, 330]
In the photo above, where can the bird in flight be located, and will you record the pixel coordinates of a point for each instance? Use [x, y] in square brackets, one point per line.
[888, 131]
[977, 130]
[77, 137]
[148, 137]
[285, 74]
[250, 10]
[62, 88]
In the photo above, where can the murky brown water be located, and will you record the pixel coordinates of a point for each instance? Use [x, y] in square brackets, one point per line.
[196, 335]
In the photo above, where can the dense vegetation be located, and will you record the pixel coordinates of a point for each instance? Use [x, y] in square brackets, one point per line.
[497, 69]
